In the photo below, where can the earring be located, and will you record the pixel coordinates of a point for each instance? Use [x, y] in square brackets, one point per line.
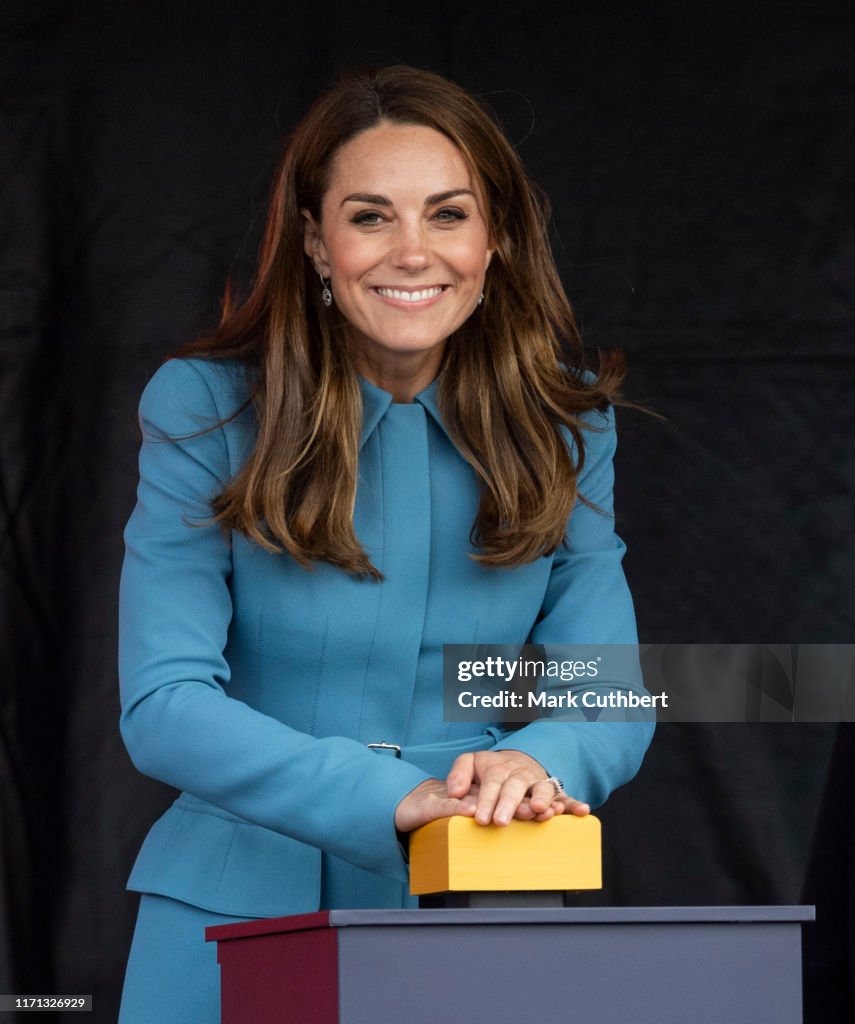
[326, 294]
[480, 298]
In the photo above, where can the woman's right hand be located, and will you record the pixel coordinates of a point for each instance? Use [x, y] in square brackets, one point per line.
[429, 801]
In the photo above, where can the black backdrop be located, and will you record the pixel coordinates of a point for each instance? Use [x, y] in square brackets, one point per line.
[699, 158]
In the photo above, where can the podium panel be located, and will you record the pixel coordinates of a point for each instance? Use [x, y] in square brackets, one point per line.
[603, 965]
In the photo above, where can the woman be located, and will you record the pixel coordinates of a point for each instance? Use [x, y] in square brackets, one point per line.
[376, 453]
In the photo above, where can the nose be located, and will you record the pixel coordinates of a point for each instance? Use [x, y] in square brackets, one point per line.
[412, 250]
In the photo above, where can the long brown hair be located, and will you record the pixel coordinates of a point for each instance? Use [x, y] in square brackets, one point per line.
[512, 374]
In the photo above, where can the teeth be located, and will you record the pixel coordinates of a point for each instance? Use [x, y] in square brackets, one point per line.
[395, 293]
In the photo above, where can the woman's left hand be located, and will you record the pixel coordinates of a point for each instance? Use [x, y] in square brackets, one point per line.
[509, 784]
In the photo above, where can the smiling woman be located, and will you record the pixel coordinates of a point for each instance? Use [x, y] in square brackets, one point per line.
[404, 240]
[388, 445]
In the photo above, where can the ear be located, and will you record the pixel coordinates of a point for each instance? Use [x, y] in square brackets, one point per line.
[313, 244]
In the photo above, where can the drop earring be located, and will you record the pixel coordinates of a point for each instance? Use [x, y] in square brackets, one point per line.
[480, 298]
[326, 294]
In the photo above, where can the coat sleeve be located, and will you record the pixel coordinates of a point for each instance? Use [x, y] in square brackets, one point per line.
[588, 602]
[178, 722]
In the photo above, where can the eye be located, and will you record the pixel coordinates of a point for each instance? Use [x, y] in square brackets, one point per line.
[367, 218]
[450, 214]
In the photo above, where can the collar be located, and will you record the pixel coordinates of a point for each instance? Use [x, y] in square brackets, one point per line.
[376, 402]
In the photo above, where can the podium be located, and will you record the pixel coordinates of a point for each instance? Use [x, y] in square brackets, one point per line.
[514, 964]
[603, 965]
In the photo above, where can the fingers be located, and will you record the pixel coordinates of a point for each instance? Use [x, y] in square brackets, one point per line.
[505, 779]
[513, 785]
[543, 795]
[577, 807]
[461, 776]
[499, 798]
[561, 805]
[429, 801]
[494, 786]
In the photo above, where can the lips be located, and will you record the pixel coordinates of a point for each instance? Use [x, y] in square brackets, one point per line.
[400, 295]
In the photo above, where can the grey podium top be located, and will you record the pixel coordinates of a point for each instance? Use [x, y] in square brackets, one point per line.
[514, 916]
[571, 915]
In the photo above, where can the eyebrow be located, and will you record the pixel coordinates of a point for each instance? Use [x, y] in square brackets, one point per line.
[376, 200]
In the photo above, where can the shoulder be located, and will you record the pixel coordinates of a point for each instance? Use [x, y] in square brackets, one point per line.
[596, 426]
[592, 420]
[188, 395]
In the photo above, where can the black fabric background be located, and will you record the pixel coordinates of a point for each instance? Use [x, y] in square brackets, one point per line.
[699, 159]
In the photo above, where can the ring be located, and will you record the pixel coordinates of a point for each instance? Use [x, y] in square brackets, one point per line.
[557, 785]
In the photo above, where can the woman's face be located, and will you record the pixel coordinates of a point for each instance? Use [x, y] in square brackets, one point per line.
[404, 241]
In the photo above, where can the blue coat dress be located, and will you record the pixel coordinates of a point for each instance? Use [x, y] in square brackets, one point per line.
[253, 685]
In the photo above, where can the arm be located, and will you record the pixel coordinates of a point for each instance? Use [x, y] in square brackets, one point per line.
[587, 602]
[178, 722]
